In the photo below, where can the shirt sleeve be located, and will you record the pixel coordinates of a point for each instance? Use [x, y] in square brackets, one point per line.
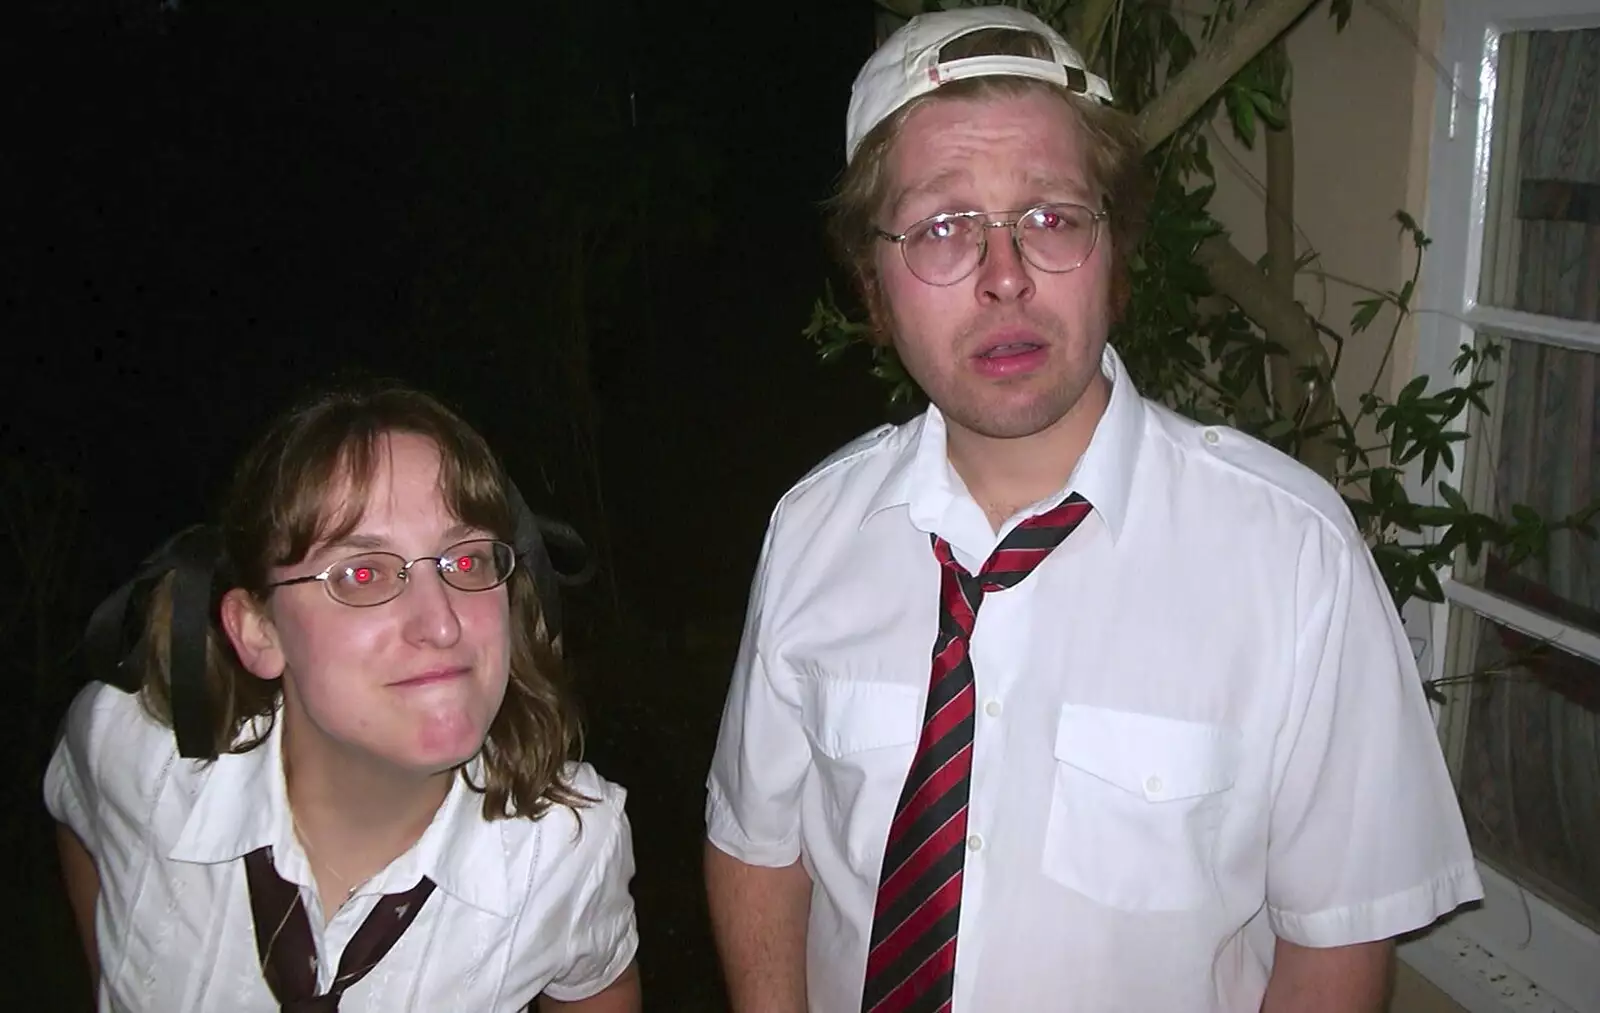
[604, 936]
[1366, 838]
[762, 753]
[70, 792]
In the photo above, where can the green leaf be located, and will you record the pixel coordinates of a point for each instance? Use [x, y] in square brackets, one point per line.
[1526, 515]
[1269, 107]
[1454, 498]
[1366, 314]
[1384, 488]
[1391, 554]
[1429, 589]
[1434, 516]
[1474, 395]
[1448, 456]
[1242, 114]
[1277, 429]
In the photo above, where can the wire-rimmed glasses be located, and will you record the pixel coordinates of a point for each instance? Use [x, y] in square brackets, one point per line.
[372, 578]
[944, 248]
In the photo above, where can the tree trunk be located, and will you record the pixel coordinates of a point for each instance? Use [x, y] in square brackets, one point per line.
[1284, 320]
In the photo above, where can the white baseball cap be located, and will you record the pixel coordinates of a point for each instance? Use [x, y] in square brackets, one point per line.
[907, 64]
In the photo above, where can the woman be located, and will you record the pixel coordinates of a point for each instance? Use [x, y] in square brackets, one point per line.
[392, 819]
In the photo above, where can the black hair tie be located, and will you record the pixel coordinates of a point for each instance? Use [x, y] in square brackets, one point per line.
[540, 542]
[192, 556]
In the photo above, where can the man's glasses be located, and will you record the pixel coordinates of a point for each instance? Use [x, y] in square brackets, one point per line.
[372, 578]
[945, 248]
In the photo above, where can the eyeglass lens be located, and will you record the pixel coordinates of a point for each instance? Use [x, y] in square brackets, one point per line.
[374, 577]
[946, 248]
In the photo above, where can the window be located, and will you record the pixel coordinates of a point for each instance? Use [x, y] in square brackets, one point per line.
[1514, 209]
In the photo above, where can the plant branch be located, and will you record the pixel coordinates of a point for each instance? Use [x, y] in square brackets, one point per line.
[1394, 333]
[1359, 286]
[1186, 94]
[1286, 391]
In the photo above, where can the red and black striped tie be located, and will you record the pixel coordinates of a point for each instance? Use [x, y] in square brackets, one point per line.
[911, 964]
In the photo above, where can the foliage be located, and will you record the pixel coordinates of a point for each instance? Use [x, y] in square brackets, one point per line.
[834, 334]
[1203, 356]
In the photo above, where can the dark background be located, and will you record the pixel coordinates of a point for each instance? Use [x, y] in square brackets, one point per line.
[591, 227]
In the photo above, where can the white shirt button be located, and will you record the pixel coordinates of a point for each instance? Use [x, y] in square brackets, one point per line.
[1152, 785]
[992, 708]
[1212, 437]
[975, 842]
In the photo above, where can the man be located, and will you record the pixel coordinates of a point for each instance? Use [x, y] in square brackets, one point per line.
[1170, 752]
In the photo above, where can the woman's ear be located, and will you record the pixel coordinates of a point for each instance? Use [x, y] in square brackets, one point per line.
[254, 638]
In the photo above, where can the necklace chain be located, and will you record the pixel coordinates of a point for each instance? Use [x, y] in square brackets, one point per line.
[317, 859]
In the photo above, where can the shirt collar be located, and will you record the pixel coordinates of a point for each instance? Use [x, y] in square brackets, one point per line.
[243, 805]
[921, 477]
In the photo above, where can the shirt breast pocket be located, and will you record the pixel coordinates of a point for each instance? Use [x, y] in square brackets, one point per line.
[1137, 806]
[863, 736]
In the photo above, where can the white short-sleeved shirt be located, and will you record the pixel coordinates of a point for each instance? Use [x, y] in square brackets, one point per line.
[520, 907]
[1199, 722]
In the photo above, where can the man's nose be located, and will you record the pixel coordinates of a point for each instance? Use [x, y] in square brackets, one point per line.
[1003, 275]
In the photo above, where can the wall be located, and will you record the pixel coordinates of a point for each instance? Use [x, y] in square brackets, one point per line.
[1362, 106]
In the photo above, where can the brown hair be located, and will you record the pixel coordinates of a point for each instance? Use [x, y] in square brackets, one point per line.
[1115, 165]
[277, 510]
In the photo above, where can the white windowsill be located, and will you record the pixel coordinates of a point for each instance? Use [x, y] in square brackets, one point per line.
[1514, 952]
[1573, 639]
[1579, 335]
[1475, 979]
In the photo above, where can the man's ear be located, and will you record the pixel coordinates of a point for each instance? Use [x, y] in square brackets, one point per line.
[879, 321]
[254, 638]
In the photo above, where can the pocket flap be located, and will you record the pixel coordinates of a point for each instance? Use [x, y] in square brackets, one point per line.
[1159, 758]
[852, 715]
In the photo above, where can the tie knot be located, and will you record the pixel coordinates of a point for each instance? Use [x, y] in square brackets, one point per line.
[1021, 551]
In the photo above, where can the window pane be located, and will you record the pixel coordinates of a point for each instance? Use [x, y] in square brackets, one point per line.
[1530, 767]
[1541, 250]
[1543, 442]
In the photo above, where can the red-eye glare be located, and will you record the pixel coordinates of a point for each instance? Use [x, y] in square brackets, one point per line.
[464, 564]
[363, 575]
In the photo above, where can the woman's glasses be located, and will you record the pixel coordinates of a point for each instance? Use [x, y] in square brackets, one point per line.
[372, 578]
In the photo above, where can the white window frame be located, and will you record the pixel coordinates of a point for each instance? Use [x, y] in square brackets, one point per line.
[1515, 951]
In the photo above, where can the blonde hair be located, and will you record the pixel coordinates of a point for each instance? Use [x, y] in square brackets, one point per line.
[1114, 165]
[278, 509]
